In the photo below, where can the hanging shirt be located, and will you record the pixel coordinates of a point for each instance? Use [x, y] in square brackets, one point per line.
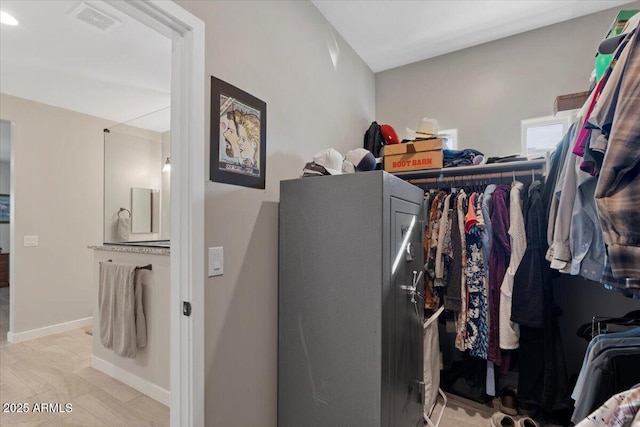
[527, 306]
[585, 237]
[604, 415]
[510, 331]
[461, 325]
[442, 231]
[602, 117]
[596, 346]
[498, 262]
[618, 189]
[477, 328]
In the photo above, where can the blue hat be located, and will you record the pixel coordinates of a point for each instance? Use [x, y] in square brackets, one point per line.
[362, 159]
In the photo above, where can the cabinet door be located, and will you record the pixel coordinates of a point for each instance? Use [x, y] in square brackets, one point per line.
[406, 319]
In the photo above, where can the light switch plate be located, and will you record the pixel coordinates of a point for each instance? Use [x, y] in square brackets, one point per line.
[216, 261]
[31, 240]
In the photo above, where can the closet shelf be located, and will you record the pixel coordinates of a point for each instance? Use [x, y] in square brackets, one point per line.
[525, 165]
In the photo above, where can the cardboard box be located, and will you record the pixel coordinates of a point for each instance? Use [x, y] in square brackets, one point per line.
[413, 147]
[432, 159]
[570, 102]
[418, 155]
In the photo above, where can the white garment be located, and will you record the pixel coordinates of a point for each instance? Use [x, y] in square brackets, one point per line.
[601, 416]
[122, 320]
[432, 361]
[510, 331]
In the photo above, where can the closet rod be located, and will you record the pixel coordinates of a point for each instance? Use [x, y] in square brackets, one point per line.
[525, 165]
[505, 176]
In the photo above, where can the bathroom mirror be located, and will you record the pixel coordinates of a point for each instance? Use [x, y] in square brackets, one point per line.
[136, 189]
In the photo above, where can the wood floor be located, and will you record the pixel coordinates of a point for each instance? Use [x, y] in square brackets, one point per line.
[55, 369]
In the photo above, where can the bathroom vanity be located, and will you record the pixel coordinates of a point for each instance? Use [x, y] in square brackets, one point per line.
[148, 372]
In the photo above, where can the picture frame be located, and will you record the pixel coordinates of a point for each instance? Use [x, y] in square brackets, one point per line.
[5, 208]
[238, 136]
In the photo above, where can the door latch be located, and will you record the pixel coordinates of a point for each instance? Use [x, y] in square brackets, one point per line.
[186, 308]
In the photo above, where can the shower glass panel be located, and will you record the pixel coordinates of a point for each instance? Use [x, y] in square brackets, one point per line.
[136, 190]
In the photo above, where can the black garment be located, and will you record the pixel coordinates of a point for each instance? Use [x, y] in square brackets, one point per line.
[506, 159]
[373, 139]
[453, 295]
[466, 378]
[453, 158]
[543, 375]
[534, 272]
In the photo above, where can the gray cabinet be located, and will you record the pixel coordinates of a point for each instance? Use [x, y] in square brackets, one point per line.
[350, 337]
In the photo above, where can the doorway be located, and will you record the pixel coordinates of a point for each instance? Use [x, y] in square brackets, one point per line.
[187, 201]
[186, 33]
[5, 228]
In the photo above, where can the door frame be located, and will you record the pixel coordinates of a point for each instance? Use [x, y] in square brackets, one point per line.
[187, 200]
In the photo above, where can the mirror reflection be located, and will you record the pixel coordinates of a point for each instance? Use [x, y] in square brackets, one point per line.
[137, 181]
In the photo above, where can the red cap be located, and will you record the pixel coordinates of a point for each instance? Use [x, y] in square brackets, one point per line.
[389, 134]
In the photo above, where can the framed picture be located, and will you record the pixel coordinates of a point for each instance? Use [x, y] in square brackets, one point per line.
[238, 136]
[4, 209]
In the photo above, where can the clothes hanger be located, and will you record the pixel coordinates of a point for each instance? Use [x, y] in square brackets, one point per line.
[598, 325]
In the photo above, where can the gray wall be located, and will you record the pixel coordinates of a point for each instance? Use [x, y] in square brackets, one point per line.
[486, 90]
[279, 52]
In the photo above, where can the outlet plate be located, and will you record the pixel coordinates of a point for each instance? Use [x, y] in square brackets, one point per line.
[31, 240]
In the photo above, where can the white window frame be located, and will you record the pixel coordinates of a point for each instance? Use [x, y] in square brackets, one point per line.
[451, 134]
[526, 124]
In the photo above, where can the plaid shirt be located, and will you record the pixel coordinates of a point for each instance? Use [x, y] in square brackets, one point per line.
[618, 191]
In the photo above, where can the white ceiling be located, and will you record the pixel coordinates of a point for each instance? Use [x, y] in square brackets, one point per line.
[54, 58]
[389, 34]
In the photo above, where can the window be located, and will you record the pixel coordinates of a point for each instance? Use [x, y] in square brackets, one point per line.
[542, 134]
[449, 138]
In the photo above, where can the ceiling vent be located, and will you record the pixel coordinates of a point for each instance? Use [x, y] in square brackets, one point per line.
[94, 17]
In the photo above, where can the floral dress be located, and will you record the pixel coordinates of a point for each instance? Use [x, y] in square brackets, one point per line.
[477, 339]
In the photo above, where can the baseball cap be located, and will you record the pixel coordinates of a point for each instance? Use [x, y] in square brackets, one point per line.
[362, 159]
[313, 169]
[609, 45]
[389, 134]
[330, 159]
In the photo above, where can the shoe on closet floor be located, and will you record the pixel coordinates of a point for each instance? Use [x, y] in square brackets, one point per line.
[527, 422]
[502, 420]
[528, 409]
[508, 401]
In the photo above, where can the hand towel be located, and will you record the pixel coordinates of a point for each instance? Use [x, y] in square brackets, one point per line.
[122, 320]
[124, 227]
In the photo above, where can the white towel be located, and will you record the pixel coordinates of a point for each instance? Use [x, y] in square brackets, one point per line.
[122, 320]
[124, 227]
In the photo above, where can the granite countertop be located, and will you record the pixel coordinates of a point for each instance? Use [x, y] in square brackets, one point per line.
[132, 249]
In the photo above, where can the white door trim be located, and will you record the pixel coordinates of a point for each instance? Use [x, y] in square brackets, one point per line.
[187, 200]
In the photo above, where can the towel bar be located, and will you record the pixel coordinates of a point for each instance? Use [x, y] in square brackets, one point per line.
[144, 267]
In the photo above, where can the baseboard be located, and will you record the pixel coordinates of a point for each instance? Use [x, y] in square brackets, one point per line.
[143, 386]
[48, 330]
